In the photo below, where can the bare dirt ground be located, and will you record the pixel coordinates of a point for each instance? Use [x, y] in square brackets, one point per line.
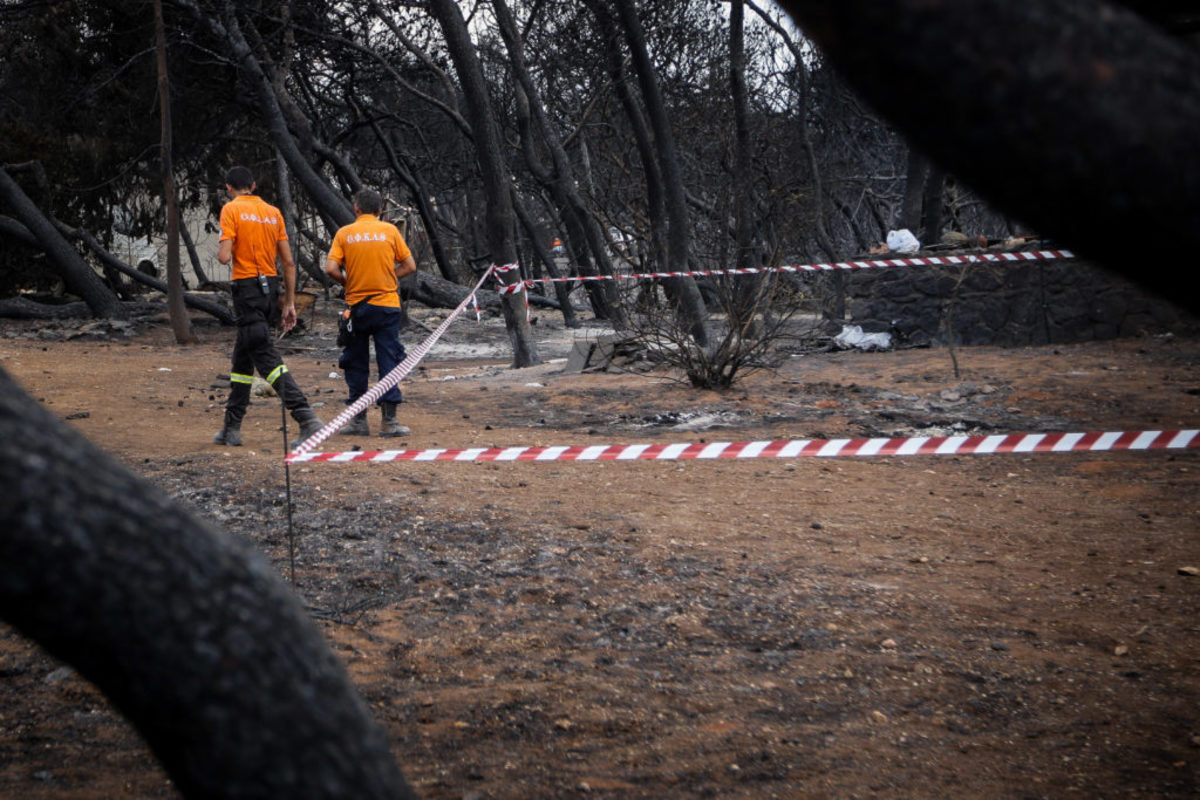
[1006, 626]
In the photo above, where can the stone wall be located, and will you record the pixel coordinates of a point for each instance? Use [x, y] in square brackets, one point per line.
[1027, 303]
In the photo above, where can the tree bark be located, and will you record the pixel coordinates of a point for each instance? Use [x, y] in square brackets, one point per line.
[193, 256]
[914, 190]
[1076, 116]
[746, 288]
[498, 216]
[80, 279]
[683, 291]
[24, 308]
[931, 205]
[14, 230]
[189, 632]
[181, 323]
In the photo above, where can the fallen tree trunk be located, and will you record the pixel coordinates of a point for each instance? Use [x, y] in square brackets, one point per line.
[430, 290]
[221, 312]
[80, 279]
[24, 308]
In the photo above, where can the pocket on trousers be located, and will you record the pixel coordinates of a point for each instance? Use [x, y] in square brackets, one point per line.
[345, 328]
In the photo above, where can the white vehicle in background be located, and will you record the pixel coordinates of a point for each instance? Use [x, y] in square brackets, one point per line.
[138, 253]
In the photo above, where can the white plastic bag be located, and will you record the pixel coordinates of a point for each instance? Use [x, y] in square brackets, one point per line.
[902, 241]
[853, 336]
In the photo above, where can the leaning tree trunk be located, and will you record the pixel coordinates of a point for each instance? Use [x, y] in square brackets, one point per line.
[218, 310]
[420, 196]
[79, 278]
[328, 202]
[640, 130]
[193, 257]
[683, 291]
[189, 632]
[496, 184]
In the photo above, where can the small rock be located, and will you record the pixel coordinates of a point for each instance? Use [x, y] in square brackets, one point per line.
[1191, 572]
[888, 644]
[1120, 650]
[59, 675]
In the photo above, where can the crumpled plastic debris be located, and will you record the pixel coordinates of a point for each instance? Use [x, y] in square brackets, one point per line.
[902, 241]
[852, 336]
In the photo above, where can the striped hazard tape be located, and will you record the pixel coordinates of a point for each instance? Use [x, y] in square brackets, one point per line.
[913, 261]
[793, 448]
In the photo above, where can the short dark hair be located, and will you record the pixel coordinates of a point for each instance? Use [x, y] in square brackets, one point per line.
[368, 201]
[240, 178]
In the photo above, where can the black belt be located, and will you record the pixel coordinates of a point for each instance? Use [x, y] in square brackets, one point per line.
[252, 281]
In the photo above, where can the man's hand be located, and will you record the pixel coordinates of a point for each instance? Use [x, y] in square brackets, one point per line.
[289, 315]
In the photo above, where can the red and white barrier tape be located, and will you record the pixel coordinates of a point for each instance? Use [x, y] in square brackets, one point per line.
[979, 258]
[794, 448]
[392, 378]
[519, 286]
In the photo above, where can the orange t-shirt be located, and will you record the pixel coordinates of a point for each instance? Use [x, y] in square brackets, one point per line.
[369, 249]
[256, 228]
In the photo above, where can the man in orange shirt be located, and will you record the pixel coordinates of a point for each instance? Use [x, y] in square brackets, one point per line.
[252, 238]
[369, 257]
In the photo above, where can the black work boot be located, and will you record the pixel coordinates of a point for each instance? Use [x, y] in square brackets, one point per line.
[310, 423]
[229, 435]
[357, 426]
[391, 428]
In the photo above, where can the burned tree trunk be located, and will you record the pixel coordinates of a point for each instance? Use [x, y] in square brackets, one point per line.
[684, 294]
[430, 290]
[189, 633]
[79, 278]
[497, 185]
